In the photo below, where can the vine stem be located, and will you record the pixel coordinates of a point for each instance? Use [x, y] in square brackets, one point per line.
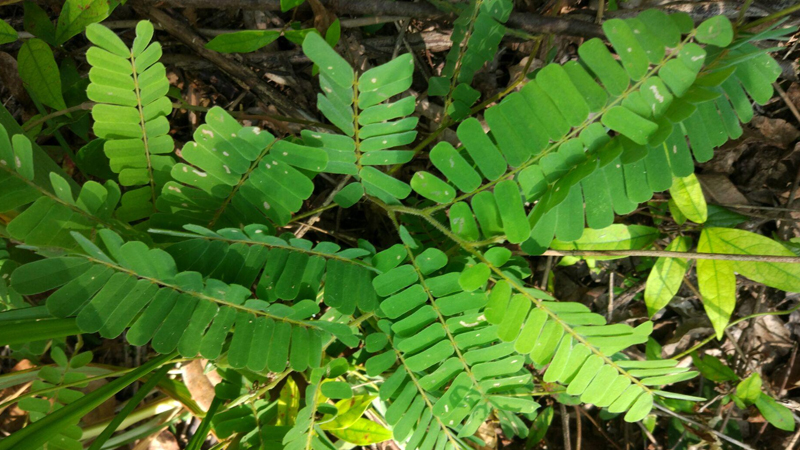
[669, 254]
[85, 106]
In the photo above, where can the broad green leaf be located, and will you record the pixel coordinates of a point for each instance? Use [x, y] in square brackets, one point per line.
[666, 277]
[539, 427]
[717, 283]
[723, 217]
[677, 214]
[715, 31]
[39, 73]
[289, 4]
[776, 414]
[243, 41]
[749, 389]
[784, 276]
[363, 432]
[614, 237]
[713, 369]
[77, 14]
[688, 196]
[37, 22]
[7, 33]
[349, 410]
[23, 157]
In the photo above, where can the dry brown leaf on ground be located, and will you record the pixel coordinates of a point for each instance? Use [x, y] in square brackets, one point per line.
[164, 441]
[778, 131]
[718, 188]
[198, 383]
[12, 418]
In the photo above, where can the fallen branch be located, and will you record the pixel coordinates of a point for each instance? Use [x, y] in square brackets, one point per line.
[430, 40]
[246, 78]
[531, 23]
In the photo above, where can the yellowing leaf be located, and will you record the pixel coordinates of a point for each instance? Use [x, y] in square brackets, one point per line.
[688, 197]
[666, 277]
[350, 410]
[717, 284]
[784, 276]
[288, 403]
[363, 432]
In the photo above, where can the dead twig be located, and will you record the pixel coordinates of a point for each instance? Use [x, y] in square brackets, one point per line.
[531, 23]
[565, 426]
[246, 78]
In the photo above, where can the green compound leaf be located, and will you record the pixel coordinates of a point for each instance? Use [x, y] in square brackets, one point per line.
[569, 170]
[688, 197]
[54, 211]
[130, 87]
[182, 310]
